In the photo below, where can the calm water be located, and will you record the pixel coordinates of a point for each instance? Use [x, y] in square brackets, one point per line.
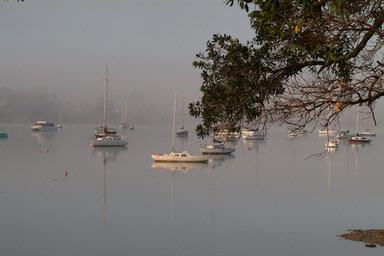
[267, 200]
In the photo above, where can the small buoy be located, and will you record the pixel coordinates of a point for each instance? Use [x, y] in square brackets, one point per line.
[249, 148]
[66, 173]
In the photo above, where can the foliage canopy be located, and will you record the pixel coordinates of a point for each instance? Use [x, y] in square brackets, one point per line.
[308, 61]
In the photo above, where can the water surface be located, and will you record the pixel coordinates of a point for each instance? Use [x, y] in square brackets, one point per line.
[266, 200]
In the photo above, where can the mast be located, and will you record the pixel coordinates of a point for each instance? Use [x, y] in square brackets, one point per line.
[105, 101]
[174, 121]
[357, 119]
[125, 112]
[183, 111]
[122, 114]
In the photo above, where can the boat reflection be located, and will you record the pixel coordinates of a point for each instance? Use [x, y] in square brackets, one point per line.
[330, 150]
[221, 158]
[107, 154]
[178, 166]
[356, 146]
[43, 137]
[253, 144]
[217, 160]
[329, 158]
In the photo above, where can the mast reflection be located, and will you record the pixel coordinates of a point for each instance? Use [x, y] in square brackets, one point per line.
[107, 155]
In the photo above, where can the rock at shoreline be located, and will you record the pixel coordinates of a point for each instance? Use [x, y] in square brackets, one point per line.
[371, 237]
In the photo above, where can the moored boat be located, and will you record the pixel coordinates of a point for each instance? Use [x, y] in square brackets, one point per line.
[176, 156]
[359, 139]
[182, 156]
[181, 132]
[44, 126]
[216, 148]
[105, 137]
[3, 134]
[327, 132]
[253, 134]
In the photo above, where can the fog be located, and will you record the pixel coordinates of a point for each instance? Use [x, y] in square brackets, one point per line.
[53, 55]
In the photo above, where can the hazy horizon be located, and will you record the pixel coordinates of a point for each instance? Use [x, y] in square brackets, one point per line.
[149, 46]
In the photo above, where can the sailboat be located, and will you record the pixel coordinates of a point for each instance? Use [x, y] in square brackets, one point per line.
[216, 148]
[60, 125]
[252, 134]
[367, 132]
[105, 137]
[358, 138]
[124, 118]
[181, 132]
[176, 156]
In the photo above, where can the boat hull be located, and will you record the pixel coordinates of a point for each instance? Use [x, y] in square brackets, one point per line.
[108, 143]
[218, 151]
[179, 159]
[182, 133]
[327, 132]
[359, 140]
[254, 137]
[44, 129]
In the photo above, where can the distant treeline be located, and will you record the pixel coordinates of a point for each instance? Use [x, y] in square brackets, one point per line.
[29, 105]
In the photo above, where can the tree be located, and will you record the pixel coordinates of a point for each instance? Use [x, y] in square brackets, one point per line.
[311, 59]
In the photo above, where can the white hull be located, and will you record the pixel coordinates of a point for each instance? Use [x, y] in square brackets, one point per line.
[43, 126]
[327, 132]
[359, 139]
[44, 129]
[179, 157]
[108, 142]
[254, 137]
[207, 150]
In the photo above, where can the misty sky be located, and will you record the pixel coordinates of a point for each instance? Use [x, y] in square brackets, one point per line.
[149, 46]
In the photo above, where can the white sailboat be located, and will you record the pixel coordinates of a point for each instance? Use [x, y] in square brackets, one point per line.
[60, 125]
[252, 134]
[124, 116]
[105, 137]
[182, 132]
[176, 156]
[358, 138]
[43, 126]
[216, 148]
